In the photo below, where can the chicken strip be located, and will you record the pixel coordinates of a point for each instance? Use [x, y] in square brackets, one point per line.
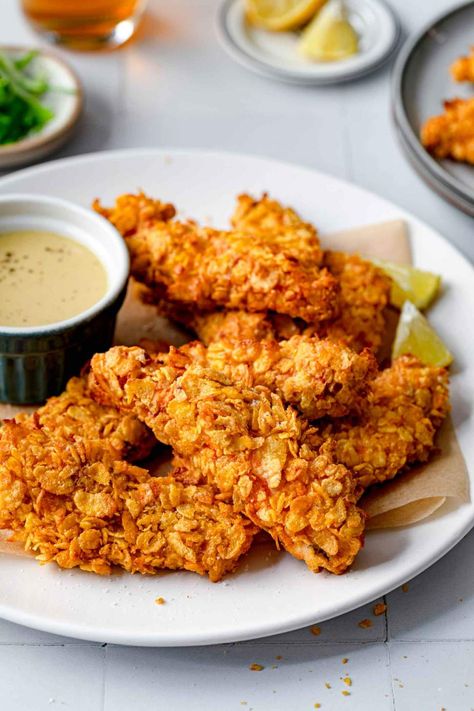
[318, 377]
[74, 413]
[365, 289]
[133, 212]
[463, 68]
[405, 407]
[204, 269]
[267, 219]
[451, 135]
[244, 442]
[365, 292]
[68, 500]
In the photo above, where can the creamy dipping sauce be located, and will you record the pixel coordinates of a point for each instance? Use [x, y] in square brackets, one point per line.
[45, 278]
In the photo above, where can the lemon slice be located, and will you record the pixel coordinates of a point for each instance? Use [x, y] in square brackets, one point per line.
[330, 36]
[281, 15]
[415, 336]
[410, 284]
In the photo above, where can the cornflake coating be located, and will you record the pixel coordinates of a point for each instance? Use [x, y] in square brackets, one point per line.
[134, 212]
[241, 325]
[463, 68]
[67, 500]
[268, 219]
[365, 292]
[205, 269]
[405, 407]
[318, 377]
[74, 413]
[247, 444]
[451, 135]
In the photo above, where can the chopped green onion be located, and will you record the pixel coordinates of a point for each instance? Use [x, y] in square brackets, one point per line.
[21, 111]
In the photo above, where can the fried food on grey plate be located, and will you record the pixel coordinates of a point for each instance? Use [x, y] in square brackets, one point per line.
[207, 269]
[318, 377]
[247, 444]
[68, 499]
[451, 135]
[405, 407]
[268, 219]
[463, 68]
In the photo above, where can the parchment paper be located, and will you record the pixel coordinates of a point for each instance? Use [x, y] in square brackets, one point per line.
[409, 497]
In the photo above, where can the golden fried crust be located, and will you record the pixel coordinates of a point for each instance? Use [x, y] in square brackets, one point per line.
[205, 269]
[246, 444]
[241, 325]
[365, 292]
[74, 413]
[451, 135]
[134, 212]
[268, 219]
[67, 500]
[463, 68]
[405, 407]
[319, 377]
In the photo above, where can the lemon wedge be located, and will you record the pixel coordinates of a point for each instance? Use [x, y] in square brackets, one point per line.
[415, 336]
[281, 15]
[330, 36]
[410, 284]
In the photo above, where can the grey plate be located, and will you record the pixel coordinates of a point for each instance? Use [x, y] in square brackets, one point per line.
[421, 82]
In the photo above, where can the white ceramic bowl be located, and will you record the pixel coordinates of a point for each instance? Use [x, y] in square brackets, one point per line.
[36, 361]
[67, 107]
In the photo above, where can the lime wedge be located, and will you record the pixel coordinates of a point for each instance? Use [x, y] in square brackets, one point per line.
[410, 284]
[415, 336]
[330, 36]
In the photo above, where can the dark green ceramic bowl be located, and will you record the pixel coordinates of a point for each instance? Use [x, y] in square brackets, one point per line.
[36, 362]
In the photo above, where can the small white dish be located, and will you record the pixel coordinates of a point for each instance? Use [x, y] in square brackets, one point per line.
[66, 104]
[275, 54]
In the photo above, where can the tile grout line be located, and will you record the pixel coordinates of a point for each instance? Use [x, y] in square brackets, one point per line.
[392, 688]
[104, 676]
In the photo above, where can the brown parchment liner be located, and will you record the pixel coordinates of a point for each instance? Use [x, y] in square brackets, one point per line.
[408, 498]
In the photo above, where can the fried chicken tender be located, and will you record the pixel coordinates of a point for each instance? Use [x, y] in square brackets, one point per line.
[406, 405]
[451, 135]
[68, 500]
[241, 325]
[318, 377]
[74, 413]
[365, 292]
[132, 212]
[205, 269]
[268, 219]
[463, 68]
[365, 289]
[244, 442]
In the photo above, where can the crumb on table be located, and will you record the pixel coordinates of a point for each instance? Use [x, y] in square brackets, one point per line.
[379, 608]
[365, 624]
[160, 600]
[256, 667]
[315, 630]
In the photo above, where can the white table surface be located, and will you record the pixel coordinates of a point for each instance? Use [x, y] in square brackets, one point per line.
[176, 87]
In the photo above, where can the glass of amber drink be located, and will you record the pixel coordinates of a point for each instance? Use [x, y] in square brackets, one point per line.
[85, 24]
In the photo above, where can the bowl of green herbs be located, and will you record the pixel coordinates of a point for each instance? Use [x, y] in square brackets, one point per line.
[40, 105]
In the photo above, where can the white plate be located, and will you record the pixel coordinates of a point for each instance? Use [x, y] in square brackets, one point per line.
[65, 101]
[274, 593]
[275, 54]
